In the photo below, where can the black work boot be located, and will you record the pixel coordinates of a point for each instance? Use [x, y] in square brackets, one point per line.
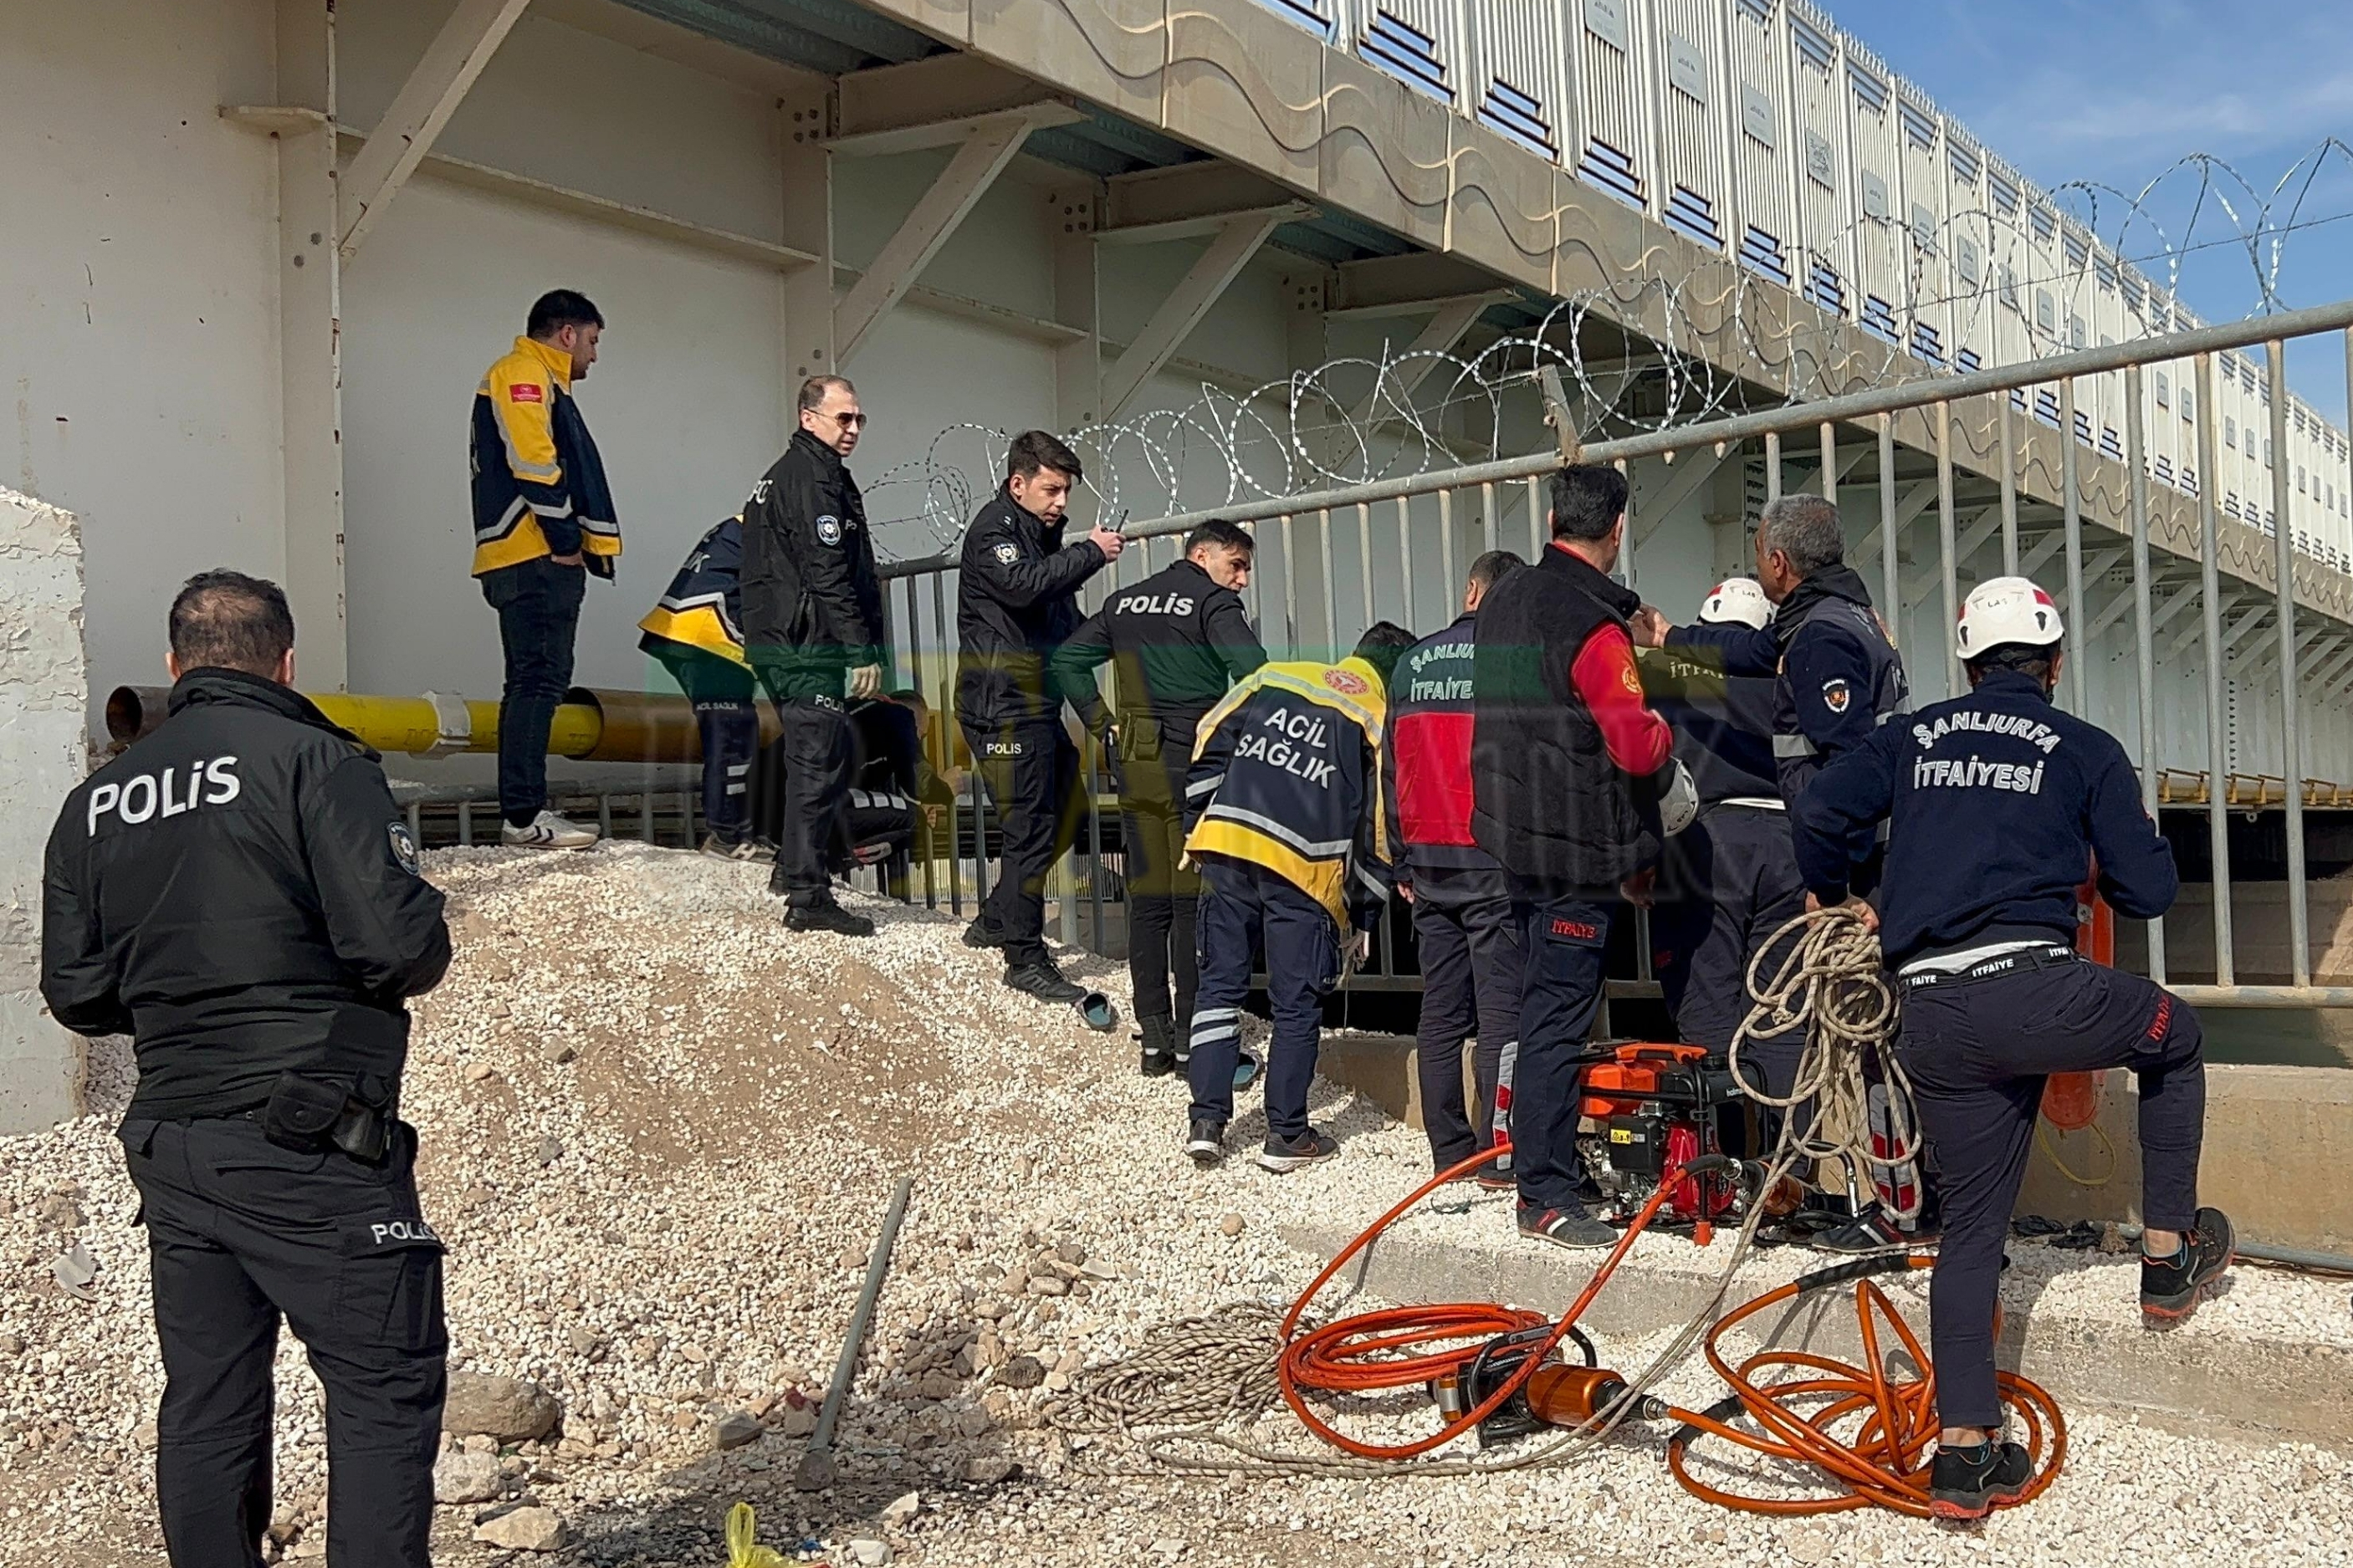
[982, 934]
[828, 916]
[1971, 1483]
[1039, 978]
[1205, 1141]
[1159, 1058]
[2170, 1288]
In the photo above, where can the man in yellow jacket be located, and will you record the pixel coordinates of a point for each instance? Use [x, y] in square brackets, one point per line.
[544, 519]
[1284, 801]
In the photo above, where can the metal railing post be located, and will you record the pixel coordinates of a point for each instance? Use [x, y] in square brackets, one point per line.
[2008, 444]
[2218, 760]
[1772, 467]
[2071, 513]
[1331, 588]
[2299, 935]
[1891, 573]
[1948, 569]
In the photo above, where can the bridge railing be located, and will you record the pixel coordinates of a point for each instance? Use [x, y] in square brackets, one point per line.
[1404, 542]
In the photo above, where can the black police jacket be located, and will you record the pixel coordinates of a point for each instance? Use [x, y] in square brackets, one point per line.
[809, 590]
[1174, 641]
[1017, 603]
[240, 894]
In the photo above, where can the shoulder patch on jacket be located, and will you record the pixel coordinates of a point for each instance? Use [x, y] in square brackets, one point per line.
[1008, 554]
[1347, 682]
[1836, 695]
[828, 530]
[404, 848]
[525, 391]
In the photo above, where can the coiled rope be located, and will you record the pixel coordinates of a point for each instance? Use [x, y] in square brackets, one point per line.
[1821, 972]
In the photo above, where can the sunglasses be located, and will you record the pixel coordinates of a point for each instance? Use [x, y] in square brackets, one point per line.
[852, 421]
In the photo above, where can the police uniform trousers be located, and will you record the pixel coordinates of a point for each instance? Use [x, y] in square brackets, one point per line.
[538, 604]
[813, 751]
[720, 693]
[1032, 772]
[1468, 941]
[243, 1233]
[1163, 897]
[1977, 1050]
[1246, 909]
[1563, 943]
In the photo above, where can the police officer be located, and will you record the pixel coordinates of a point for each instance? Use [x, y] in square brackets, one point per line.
[238, 893]
[1174, 640]
[1837, 679]
[1464, 932]
[1017, 603]
[813, 629]
[1998, 806]
[697, 633]
[1573, 783]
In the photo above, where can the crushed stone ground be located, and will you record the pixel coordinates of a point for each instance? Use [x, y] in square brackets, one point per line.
[660, 1132]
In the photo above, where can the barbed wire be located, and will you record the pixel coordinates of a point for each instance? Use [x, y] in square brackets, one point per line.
[1403, 412]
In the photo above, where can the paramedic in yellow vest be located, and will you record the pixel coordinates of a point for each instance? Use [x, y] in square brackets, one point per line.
[544, 519]
[1284, 803]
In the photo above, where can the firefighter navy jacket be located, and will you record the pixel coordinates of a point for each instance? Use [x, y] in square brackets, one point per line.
[1287, 774]
[1997, 801]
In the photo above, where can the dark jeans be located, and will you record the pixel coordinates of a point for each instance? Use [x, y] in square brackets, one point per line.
[815, 751]
[1561, 944]
[722, 694]
[242, 1234]
[1737, 883]
[1032, 772]
[1468, 940]
[1163, 898]
[1977, 1051]
[538, 604]
[1248, 907]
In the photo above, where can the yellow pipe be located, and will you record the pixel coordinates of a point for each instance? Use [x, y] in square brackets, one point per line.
[594, 726]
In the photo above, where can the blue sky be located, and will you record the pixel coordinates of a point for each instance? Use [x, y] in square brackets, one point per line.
[2119, 92]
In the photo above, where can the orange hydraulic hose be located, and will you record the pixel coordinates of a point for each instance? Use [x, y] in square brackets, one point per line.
[1887, 1462]
[1377, 1350]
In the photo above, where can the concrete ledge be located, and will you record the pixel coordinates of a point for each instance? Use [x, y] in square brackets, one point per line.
[2278, 1142]
[2273, 1352]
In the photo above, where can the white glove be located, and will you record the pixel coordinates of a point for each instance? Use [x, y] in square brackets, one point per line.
[1679, 802]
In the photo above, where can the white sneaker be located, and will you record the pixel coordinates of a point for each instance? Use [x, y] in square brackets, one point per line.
[548, 831]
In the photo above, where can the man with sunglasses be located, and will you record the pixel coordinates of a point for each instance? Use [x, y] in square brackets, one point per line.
[813, 631]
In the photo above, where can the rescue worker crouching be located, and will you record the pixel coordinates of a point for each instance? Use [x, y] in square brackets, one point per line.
[1463, 927]
[238, 893]
[1997, 806]
[1571, 772]
[1017, 603]
[1174, 641]
[697, 633]
[1288, 827]
[813, 630]
[1837, 679]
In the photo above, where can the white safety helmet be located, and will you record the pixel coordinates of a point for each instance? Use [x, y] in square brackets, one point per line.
[1737, 600]
[2006, 610]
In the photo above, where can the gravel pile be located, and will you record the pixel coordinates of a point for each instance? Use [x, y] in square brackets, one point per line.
[660, 1132]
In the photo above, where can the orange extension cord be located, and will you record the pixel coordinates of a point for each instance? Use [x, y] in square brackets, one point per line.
[1886, 1464]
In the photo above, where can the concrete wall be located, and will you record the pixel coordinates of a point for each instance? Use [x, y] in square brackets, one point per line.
[43, 687]
[140, 316]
